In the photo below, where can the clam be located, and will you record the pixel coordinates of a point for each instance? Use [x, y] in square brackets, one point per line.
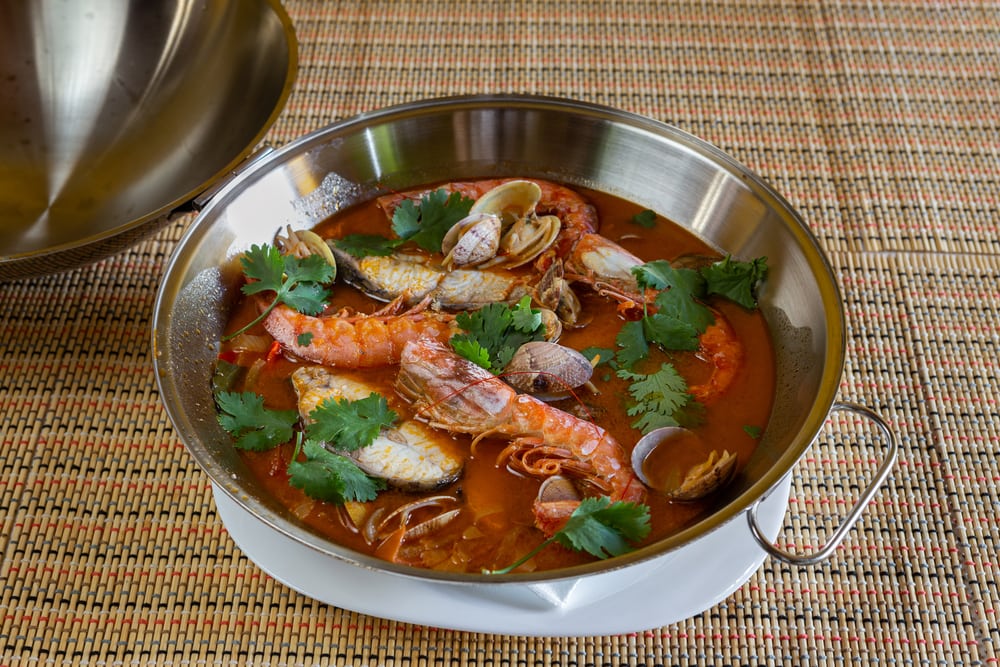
[472, 240]
[552, 324]
[415, 519]
[526, 239]
[501, 229]
[708, 476]
[547, 370]
[554, 292]
[303, 242]
[511, 201]
[669, 460]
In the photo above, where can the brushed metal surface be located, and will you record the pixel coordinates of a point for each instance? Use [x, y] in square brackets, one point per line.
[655, 165]
[115, 113]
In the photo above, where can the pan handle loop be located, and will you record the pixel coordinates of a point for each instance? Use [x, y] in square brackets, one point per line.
[841, 532]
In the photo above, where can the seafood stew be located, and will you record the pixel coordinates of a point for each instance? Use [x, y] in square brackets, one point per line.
[498, 348]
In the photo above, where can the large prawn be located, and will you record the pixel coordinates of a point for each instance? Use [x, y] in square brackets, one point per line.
[454, 394]
[356, 341]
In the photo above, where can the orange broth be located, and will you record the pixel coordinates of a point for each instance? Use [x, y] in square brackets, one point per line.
[502, 500]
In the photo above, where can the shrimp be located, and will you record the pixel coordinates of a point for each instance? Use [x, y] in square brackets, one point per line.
[456, 395]
[356, 341]
[720, 347]
[578, 216]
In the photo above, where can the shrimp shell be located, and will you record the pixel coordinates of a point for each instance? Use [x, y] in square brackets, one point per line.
[454, 394]
[361, 341]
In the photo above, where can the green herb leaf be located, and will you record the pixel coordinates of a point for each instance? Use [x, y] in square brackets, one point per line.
[736, 280]
[753, 431]
[660, 397]
[631, 341]
[263, 263]
[367, 245]
[670, 332]
[311, 269]
[598, 526]
[604, 355]
[427, 223]
[331, 477]
[253, 426]
[226, 376]
[499, 330]
[350, 425]
[680, 299]
[296, 282]
[308, 298]
[526, 319]
[304, 339]
[604, 529]
[468, 347]
[646, 219]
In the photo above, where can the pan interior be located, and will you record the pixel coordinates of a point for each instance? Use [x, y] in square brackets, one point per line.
[652, 164]
[114, 113]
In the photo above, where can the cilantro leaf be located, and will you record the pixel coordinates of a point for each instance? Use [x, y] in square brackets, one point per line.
[307, 298]
[604, 355]
[296, 282]
[671, 332]
[681, 298]
[367, 245]
[524, 318]
[735, 280]
[633, 348]
[753, 431]
[645, 219]
[659, 397]
[350, 425]
[306, 270]
[265, 265]
[331, 477]
[426, 223]
[603, 529]
[499, 330]
[680, 316]
[470, 348]
[253, 426]
[598, 526]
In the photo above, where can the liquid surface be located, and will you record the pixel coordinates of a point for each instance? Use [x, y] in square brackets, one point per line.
[496, 524]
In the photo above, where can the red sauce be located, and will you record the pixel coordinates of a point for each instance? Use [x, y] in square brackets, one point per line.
[500, 500]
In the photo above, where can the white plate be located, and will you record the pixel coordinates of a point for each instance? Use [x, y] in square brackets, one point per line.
[648, 595]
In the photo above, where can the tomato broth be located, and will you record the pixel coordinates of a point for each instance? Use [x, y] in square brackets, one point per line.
[496, 525]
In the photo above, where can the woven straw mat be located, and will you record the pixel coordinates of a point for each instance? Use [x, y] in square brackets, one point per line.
[877, 119]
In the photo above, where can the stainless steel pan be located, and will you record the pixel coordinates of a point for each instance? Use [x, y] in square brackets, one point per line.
[657, 166]
[115, 114]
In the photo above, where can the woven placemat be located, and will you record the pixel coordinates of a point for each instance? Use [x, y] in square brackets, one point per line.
[879, 121]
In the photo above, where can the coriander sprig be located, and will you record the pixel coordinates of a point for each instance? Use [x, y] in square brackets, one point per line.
[423, 223]
[494, 332]
[680, 316]
[297, 282]
[320, 473]
[598, 526]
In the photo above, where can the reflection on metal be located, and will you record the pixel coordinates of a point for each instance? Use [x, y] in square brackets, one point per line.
[115, 113]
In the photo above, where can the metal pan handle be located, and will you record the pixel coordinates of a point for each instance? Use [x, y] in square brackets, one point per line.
[852, 517]
[201, 200]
